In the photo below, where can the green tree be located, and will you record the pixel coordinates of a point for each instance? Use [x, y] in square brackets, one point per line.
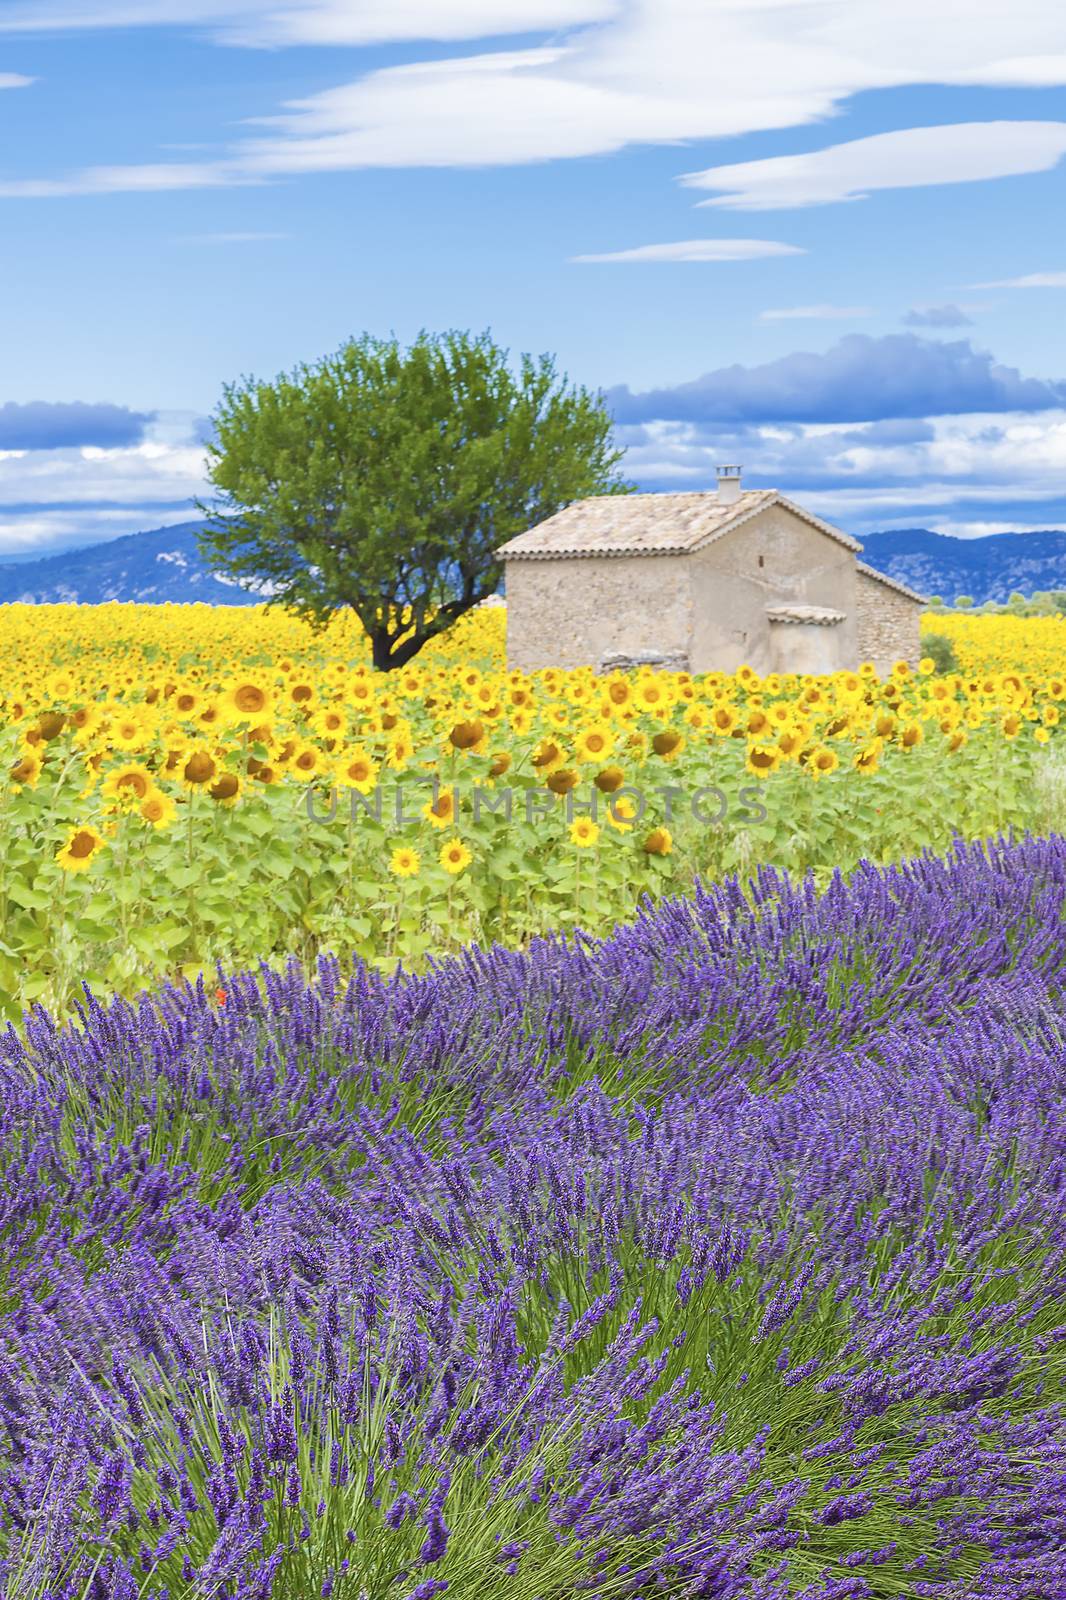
[385, 479]
[940, 650]
[963, 600]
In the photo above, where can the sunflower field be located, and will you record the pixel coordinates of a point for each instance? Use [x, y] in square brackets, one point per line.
[187, 785]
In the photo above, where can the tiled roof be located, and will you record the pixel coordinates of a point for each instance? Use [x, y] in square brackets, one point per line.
[891, 583]
[649, 524]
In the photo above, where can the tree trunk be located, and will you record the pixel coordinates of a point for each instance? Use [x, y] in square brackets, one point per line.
[387, 657]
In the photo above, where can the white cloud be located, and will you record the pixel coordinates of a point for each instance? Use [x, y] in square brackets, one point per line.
[700, 250]
[981, 529]
[15, 80]
[1005, 469]
[161, 176]
[606, 74]
[310, 22]
[867, 476]
[824, 313]
[1032, 280]
[962, 152]
[149, 471]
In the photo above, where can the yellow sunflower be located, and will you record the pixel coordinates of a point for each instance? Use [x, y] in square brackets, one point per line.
[356, 769]
[158, 809]
[467, 735]
[763, 759]
[609, 779]
[306, 762]
[226, 790]
[198, 767]
[620, 692]
[247, 699]
[822, 761]
[594, 743]
[130, 783]
[404, 862]
[584, 832]
[401, 751]
[455, 857]
[668, 744]
[27, 769]
[60, 685]
[652, 694]
[548, 757]
[440, 813]
[622, 813]
[130, 731]
[85, 721]
[330, 723]
[868, 758]
[80, 850]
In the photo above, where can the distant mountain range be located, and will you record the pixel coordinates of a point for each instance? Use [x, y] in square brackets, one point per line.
[990, 568]
[165, 565]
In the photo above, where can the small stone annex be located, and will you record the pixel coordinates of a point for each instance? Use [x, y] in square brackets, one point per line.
[701, 582]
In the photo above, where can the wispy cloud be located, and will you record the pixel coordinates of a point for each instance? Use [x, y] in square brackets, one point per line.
[159, 177]
[699, 250]
[615, 73]
[15, 80]
[309, 22]
[961, 152]
[1032, 280]
[824, 313]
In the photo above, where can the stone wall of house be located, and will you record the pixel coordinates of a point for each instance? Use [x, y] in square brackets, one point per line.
[573, 612]
[889, 625]
[770, 558]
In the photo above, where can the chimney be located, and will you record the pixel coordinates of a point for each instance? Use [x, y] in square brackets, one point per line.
[728, 484]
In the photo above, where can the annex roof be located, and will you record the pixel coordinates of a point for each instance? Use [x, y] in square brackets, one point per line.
[650, 525]
[892, 583]
[823, 616]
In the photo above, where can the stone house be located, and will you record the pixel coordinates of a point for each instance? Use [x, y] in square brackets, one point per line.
[701, 581]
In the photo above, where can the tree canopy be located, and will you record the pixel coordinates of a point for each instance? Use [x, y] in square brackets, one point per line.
[385, 478]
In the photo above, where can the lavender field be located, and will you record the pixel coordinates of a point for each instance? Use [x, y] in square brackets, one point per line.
[723, 1258]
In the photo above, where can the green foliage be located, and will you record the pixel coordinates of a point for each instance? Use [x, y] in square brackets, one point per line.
[941, 651]
[386, 479]
[963, 602]
[1041, 603]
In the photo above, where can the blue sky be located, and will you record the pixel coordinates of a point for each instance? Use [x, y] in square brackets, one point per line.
[822, 237]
